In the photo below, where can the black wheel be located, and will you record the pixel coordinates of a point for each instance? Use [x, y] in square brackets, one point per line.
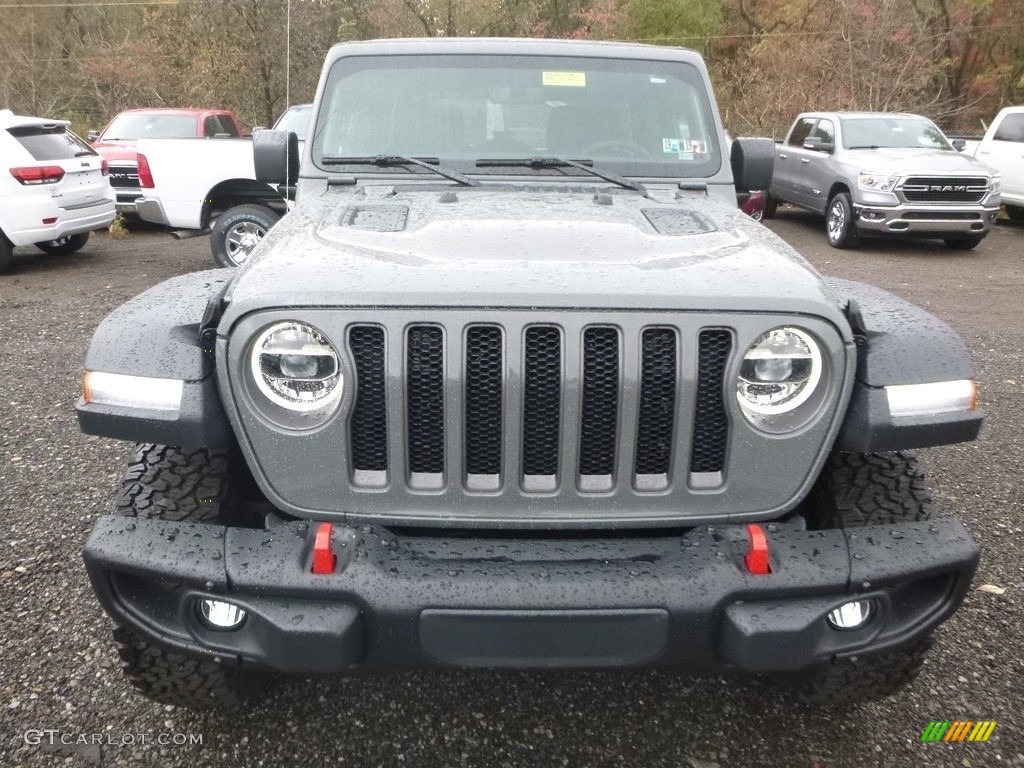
[963, 243]
[238, 231]
[62, 246]
[842, 232]
[181, 485]
[855, 490]
[771, 206]
[6, 251]
[1015, 213]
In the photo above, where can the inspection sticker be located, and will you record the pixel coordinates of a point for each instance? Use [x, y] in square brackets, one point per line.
[571, 79]
[684, 148]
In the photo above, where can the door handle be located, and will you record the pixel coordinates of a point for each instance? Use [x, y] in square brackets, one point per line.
[783, 155]
[804, 160]
[983, 151]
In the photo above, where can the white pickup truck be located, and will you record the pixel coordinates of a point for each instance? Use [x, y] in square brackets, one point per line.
[1002, 148]
[208, 186]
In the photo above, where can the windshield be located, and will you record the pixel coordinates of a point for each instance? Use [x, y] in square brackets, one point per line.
[639, 118]
[139, 125]
[295, 119]
[901, 132]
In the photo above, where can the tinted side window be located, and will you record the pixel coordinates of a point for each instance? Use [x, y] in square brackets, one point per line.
[801, 132]
[50, 142]
[1011, 129]
[226, 126]
[825, 131]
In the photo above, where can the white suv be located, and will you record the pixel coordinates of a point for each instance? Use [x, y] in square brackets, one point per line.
[54, 188]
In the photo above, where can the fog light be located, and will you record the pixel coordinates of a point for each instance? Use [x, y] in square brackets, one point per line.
[852, 615]
[217, 614]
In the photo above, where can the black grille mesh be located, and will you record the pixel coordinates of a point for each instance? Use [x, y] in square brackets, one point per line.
[369, 427]
[483, 399]
[542, 395]
[710, 427]
[425, 398]
[655, 426]
[600, 410]
[938, 189]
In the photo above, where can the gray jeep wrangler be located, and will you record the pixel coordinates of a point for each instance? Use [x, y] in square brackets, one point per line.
[516, 385]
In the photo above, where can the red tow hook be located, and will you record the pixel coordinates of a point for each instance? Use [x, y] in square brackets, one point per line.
[756, 558]
[324, 559]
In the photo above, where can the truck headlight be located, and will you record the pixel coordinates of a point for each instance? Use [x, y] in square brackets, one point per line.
[996, 183]
[877, 182]
[780, 372]
[296, 367]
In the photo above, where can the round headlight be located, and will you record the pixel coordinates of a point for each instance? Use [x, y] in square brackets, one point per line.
[779, 372]
[295, 366]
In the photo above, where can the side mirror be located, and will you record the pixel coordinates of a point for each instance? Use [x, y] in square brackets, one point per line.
[959, 144]
[93, 135]
[753, 163]
[817, 144]
[276, 156]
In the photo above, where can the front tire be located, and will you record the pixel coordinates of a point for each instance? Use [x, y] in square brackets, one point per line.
[238, 231]
[180, 485]
[6, 251]
[855, 490]
[63, 246]
[1015, 213]
[839, 226]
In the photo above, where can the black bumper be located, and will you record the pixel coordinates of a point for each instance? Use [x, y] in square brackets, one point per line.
[685, 600]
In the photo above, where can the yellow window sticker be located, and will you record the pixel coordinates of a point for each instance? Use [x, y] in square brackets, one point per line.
[571, 79]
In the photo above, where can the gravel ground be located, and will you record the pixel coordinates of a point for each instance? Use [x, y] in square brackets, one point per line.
[58, 672]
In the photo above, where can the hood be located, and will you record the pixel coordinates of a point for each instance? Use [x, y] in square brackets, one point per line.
[506, 246]
[924, 162]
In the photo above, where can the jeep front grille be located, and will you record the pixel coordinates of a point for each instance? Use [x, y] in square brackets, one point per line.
[544, 367]
[534, 418]
[940, 189]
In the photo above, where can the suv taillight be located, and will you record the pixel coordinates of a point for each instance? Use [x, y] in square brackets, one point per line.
[104, 167]
[45, 174]
[145, 175]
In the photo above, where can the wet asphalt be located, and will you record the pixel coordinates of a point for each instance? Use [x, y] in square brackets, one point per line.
[64, 702]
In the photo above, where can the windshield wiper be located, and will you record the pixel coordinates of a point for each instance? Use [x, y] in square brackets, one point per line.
[430, 163]
[558, 162]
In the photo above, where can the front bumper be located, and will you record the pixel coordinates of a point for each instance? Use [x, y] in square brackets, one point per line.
[971, 220]
[683, 600]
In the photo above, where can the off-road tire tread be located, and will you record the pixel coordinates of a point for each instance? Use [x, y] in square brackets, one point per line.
[171, 678]
[858, 489]
[176, 484]
[864, 679]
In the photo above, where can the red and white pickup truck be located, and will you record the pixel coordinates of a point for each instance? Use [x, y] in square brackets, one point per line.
[117, 142]
[1002, 148]
[208, 186]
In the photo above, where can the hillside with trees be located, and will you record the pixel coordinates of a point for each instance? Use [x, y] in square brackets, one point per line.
[957, 61]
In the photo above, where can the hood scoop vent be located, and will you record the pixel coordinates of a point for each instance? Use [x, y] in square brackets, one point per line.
[674, 222]
[376, 218]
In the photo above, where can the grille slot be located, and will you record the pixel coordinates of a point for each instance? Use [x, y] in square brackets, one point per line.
[368, 430]
[542, 407]
[600, 408]
[124, 177]
[938, 189]
[710, 424]
[484, 406]
[656, 423]
[425, 405]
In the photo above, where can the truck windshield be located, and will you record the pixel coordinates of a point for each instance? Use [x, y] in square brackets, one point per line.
[139, 125]
[637, 118]
[885, 132]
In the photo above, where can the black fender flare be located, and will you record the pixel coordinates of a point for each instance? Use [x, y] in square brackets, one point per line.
[157, 334]
[900, 343]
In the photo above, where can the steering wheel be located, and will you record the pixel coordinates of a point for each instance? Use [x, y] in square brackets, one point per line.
[630, 149]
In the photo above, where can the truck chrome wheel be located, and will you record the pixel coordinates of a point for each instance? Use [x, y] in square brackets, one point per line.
[836, 220]
[242, 238]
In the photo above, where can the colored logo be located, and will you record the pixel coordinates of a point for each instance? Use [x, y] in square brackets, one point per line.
[958, 730]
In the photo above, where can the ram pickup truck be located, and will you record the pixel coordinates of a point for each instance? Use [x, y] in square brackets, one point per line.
[515, 384]
[208, 187]
[892, 174]
[1002, 148]
[116, 143]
